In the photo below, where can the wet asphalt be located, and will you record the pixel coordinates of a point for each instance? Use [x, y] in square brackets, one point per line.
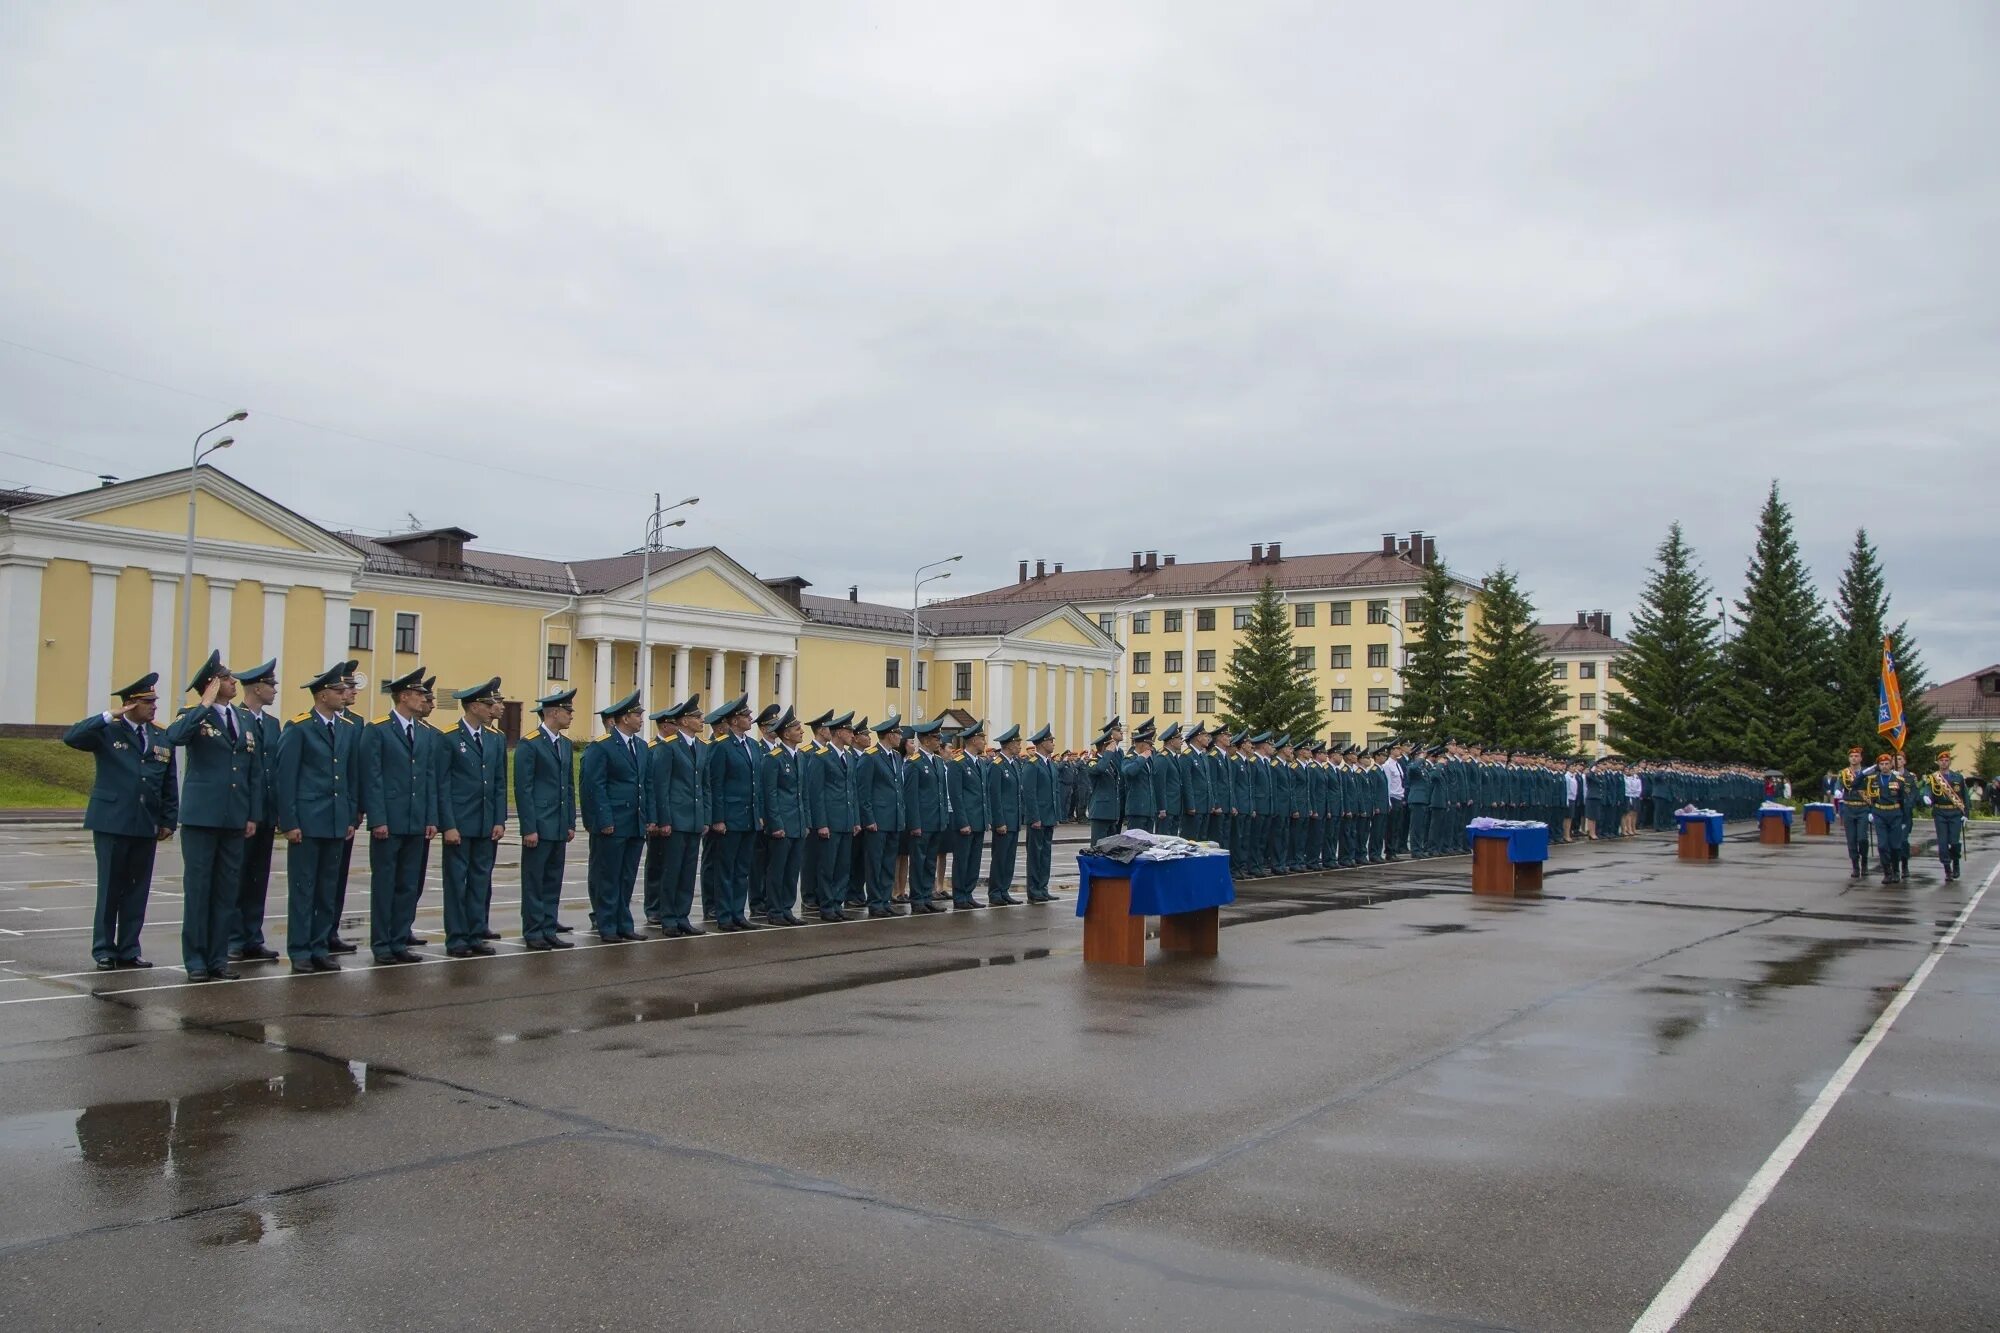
[1388, 1104]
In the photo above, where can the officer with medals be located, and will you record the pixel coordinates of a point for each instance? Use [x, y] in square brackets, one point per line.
[398, 791]
[834, 817]
[612, 785]
[545, 802]
[472, 813]
[782, 797]
[258, 689]
[1041, 811]
[222, 802]
[925, 812]
[1003, 817]
[879, 791]
[134, 806]
[676, 810]
[317, 815]
[730, 771]
[1944, 794]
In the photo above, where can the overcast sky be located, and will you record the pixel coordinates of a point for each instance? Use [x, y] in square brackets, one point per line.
[883, 282]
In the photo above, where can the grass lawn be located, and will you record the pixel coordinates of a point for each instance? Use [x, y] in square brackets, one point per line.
[44, 775]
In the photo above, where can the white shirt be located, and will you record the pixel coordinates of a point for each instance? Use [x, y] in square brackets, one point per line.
[1395, 772]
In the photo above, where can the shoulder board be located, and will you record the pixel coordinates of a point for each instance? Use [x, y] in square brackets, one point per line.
[348, 720]
[380, 720]
[303, 716]
[873, 749]
[493, 731]
[425, 723]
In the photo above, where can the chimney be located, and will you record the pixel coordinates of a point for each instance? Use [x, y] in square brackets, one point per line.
[1167, 561]
[1417, 545]
[1152, 561]
[1024, 573]
[1430, 551]
[1041, 569]
[1271, 554]
[1058, 566]
[1583, 620]
[1256, 553]
[1138, 561]
[1388, 543]
[1603, 620]
[853, 592]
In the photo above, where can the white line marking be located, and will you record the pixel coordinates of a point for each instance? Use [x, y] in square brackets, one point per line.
[1708, 1256]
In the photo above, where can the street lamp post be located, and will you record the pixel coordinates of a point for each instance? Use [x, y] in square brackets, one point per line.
[187, 555]
[917, 582]
[1117, 704]
[642, 668]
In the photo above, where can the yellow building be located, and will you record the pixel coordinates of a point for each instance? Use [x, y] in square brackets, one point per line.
[1180, 621]
[90, 588]
[1968, 711]
[1580, 658]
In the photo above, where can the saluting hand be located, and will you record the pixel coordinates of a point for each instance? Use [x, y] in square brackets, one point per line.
[210, 690]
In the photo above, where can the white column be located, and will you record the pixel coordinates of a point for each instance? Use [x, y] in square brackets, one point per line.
[753, 679]
[21, 639]
[1187, 665]
[1070, 739]
[337, 604]
[1051, 673]
[104, 624]
[161, 647]
[681, 667]
[221, 613]
[274, 628]
[717, 665]
[1090, 722]
[996, 702]
[600, 685]
[1028, 712]
[788, 669]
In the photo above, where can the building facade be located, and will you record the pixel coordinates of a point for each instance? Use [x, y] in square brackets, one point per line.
[1581, 657]
[90, 598]
[1968, 711]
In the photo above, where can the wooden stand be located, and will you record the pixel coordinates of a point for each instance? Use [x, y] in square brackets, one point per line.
[1111, 934]
[1528, 877]
[1774, 830]
[1198, 933]
[1694, 844]
[1493, 873]
[1817, 824]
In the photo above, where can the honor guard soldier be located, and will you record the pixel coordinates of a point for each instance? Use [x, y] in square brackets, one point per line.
[1887, 794]
[222, 802]
[730, 768]
[782, 797]
[349, 691]
[1106, 786]
[472, 813]
[1003, 817]
[397, 780]
[134, 806]
[545, 802]
[613, 795]
[317, 816]
[833, 815]
[1854, 813]
[926, 812]
[1944, 793]
[258, 690]
[880, 797]
[676, 810]
[1041, 811]
[965, 787]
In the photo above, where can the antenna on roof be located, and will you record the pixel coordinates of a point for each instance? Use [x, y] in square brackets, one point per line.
[416, 524]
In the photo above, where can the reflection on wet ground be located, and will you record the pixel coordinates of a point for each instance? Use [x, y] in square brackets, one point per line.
[1806, 967]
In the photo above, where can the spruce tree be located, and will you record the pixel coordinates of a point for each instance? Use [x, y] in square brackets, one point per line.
[1433, 698]
[1673, 667]
[1921, 720]
[1265, 688]
[1861, 614]
[1778, 688]
[1512, 698]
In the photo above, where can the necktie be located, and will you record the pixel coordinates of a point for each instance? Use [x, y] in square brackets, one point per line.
[478, 746]
[140, 728]
[229, 722]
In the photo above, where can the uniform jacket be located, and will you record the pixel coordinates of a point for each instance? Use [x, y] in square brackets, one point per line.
[781, 783]
[316, 777]
[473, 797]
[676, 794]
[1168, 785]
[729, 770]
[613, 781]
[831, 802]
[398, 778]
[1003, 793]
[926, 803]
[966, 787]
[1107, 790]
[879, 789]
[545, 786]
[225, 773]
[1041, 793]
[1142, 799]
[134, 793]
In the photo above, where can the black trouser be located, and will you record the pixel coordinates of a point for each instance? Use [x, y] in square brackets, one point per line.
[782, 857]
[835, 862]
[965, 852]
[1041, 859]
[395, 882]
[212, 874]
[124, 880]
[1000, 878]
[253, 886]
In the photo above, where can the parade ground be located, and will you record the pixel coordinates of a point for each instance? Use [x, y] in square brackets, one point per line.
[1387, 1104]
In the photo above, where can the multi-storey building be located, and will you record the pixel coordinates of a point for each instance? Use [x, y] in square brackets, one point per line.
[1580, 657]
[1968, 711]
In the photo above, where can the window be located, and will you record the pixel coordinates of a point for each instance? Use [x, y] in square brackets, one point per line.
[361, 630]
[1142, 622]
[1303, 614]
[1142, 703]
[1588, 732]
[1173, 619]
[1170, 703]
[1174, 661]
[1378, 612]
[1562, 703]
[893, 675]
[1302, 657]
[1142, 664]
[1204, 660]
[1343, 701]
[961, 680]
[1341, 657]
[1586, 671]
[1413, 610]
[558, 664]
[1560, 671]
[1239, 617]
[1377, 737]
[923, 677]
[1204, 620]
[1340, 613]
[1108, 623]
[1378, 654]
[1586, 703]
[1341, 738]
[406, 631]
[1204, 702]
[1378, 701]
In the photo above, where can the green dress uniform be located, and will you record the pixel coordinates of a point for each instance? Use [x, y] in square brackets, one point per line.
[831, 805]
[612, 792]
[781, 786]
[398, 791]
[926, 819]
[1041, 810]
[253, 886]
[675, 799]
[1106, 794]
[316, 800]
[222, 795]
[545, 803]
[730, 774]
[879, 794]
[1888, 796]
[1003, 817]
[473, 801]
[965, 785]
[134, 800]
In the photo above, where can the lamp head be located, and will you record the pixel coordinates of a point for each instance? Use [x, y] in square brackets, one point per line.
[239, 415]
[222, 443]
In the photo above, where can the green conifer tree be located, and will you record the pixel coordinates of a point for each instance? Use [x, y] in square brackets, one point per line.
[1265, 687]
[1513, 700]
[1860, 619]
[1433, 699]
[1672, 670]
[1778, 687]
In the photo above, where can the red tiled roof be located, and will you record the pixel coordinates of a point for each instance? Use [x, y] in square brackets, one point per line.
[1341, 569]
[1963, 697]
[1567, 638]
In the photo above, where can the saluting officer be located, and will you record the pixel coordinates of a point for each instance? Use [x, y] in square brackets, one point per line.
[1041, 811]
[258, 690]
[317, 815]
[676, 805]
[472, 812]
[1106, 786]
[398, 791]
[880, 797]
[832, 814]
[1168, 782]
[781, 790]
[1854, 812]
[134, 806]
[731, 772]
[1003, 816]
[545, 800]
[222, 802]
[613, 781]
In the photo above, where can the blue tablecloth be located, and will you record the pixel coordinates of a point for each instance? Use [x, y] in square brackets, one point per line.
[1821, 805]
[1786, 813]
[1524, 845]
[1162, 888]
[1714, 823]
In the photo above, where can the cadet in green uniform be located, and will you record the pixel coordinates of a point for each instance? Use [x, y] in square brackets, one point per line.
[926, 813]
[259, 690]
[834, 816]
[1142, 804]
[1003, 817]
[1944, 795]
[134, 806]
[317, 815]
[222, 802]
[675, 806]
[1167, 781]
[781, 796]
[472, 813]
[1041, 810]
[398, 790]
[545, 802]
[879, 794]
[611, 789]
[1103, 807]
[965, 786]
[349, 691]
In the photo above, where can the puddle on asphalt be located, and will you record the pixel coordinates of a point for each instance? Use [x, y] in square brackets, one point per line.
[1250, 909]
[1445, 928]
[613, 1011]
[1805, 968]
[268, 1226]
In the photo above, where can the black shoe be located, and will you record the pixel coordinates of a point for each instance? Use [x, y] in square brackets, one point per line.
[745, 923]
[539, 946]
[489, 934]
[325, 965]
[656, 922]
[831, 917]
[558, 944]
[458, 953]
[224, 974]
[879, 913]
[256, 953]
[790, 919]
[928, 906]
[484, 950]
[339, 945]
[629, 938]
[196, 978]
[974, 905]
[299, 969]
[405, 956]
[688, 930]
[419, 939]
[563, 929]
[137, 964]
[107, 964]
[386, 960]
[856, 902]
